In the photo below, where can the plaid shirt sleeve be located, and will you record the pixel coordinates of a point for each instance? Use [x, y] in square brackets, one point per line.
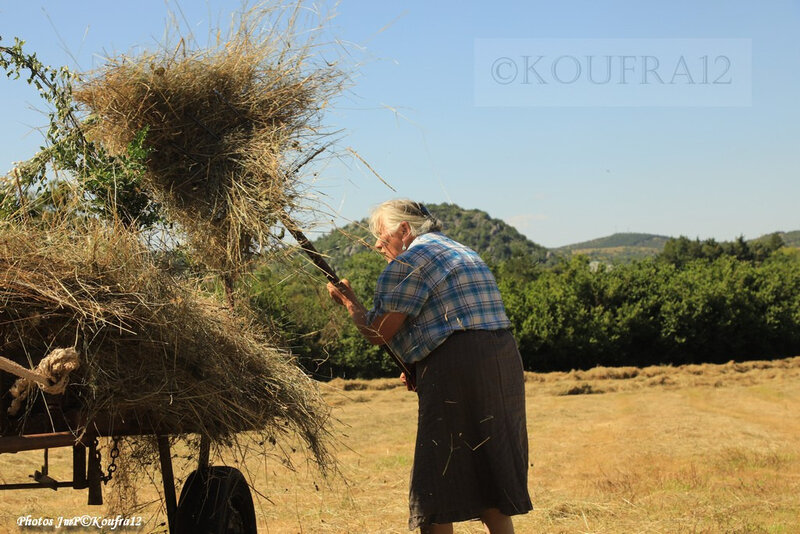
[401, 288]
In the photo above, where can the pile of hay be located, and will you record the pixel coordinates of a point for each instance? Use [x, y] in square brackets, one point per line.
[225, 128]
[152, 349]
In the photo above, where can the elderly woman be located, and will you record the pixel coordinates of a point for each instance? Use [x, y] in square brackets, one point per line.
[438, 307]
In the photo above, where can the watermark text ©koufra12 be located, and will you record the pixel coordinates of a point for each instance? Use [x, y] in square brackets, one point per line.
[613, 72]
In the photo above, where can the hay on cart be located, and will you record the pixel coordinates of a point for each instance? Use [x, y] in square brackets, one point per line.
[152, 349]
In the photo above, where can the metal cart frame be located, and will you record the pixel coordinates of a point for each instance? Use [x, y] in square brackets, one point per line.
[213, 499]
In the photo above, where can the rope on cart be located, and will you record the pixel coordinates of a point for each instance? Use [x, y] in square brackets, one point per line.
[52, 375]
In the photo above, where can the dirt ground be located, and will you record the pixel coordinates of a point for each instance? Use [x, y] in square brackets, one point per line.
[703, 448]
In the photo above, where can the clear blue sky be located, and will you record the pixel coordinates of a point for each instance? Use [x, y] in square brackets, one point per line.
[560, 174]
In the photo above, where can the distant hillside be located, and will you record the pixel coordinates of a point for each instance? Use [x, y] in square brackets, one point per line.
[622, 240]
[617, 247]
[790, 239]
[492, 238]
[622, 247]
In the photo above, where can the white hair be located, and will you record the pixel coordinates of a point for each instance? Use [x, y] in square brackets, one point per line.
[392, 213]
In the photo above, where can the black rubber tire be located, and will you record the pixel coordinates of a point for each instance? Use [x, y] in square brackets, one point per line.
[216, 501]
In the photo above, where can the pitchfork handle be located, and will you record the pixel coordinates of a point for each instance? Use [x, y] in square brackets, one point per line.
[320, 262]
[315, 256]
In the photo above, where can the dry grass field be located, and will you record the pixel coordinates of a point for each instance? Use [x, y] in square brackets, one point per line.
[702, 448]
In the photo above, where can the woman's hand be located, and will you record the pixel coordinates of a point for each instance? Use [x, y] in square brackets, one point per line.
[406, 383]
[342, 293]
[383, 327]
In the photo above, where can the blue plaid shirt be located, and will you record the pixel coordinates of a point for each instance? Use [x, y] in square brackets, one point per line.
[442, 286]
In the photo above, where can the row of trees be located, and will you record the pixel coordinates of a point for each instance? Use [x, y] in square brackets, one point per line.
[683, 250]
[692, 307]
[653, 312]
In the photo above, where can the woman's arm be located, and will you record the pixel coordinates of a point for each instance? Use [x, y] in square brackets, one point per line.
[382, 327]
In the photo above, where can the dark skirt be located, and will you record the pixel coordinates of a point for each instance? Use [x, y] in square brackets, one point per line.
[472, 441]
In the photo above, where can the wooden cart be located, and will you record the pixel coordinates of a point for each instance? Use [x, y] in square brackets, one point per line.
[214, 499]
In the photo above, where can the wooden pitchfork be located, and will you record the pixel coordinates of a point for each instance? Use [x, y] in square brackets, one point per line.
[329, 273]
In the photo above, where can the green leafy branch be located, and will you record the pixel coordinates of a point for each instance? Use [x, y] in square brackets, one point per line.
[107, 186]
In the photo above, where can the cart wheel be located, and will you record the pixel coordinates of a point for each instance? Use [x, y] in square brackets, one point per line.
[215, 502]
